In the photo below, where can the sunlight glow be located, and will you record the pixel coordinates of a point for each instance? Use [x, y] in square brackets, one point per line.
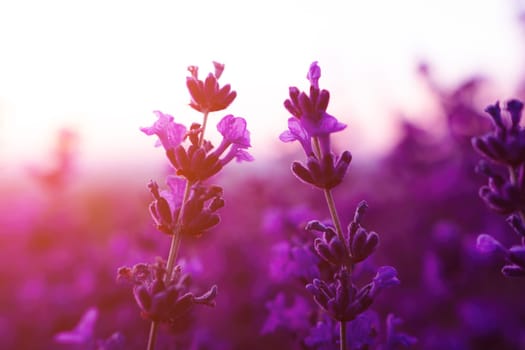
[102, 67]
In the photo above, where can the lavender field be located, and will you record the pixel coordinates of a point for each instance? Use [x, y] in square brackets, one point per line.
[313, 247]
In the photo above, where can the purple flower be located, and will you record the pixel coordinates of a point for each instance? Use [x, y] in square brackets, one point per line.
[358, 245]
[313, 75]
[170, 134]
[296, 132]
[160, 210]
[207, 95]
[501, 194]
[394, 339]
[292, 316]
[325, 173]
[115, 341]
[162, 300]
[385, 277]
[311, 109]
[323, 335]
[488, 244]
[236, 137]
[83, 333]
[234, 131]
[506, 144]
[341, 298]
[293, 262]
[198, 162]
[199, 213]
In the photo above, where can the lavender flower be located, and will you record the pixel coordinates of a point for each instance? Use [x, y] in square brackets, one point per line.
[207, 95]
[394, 339]
[170, 134]
[198, 162]
[358, 244]
[505, 146]
[190, 206]
[311, 109]
[335, 293]
[160, 299]
[83, 334]
[312, 126]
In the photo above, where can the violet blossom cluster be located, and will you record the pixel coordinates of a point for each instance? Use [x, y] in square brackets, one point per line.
[189, 205]
[504, 165]
[334, 290]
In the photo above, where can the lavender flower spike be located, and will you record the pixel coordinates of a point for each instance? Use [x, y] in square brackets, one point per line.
[311, 109]
[170, 134]
[207, 95]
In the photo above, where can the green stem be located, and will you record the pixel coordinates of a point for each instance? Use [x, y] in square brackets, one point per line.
[342, 335]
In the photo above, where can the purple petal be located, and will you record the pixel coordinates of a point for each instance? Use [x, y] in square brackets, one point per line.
[233, 129]
[488, 244]
[170, 134]
[296, 132]
[174, 194]
[313, 75]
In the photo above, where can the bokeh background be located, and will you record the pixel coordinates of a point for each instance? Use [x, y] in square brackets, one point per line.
[410, 78]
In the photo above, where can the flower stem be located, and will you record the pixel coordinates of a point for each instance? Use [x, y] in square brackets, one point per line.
[339, 230]
[152, 335]
[175, 241]
[204, 122]
[333, 213]
[514, 181]
[330, 200]
[342, 335]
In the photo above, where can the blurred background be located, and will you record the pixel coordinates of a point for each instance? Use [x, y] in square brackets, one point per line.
[410, 78]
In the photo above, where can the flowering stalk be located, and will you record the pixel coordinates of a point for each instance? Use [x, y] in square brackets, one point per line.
[189, 207]
[504, 147]
[312, 126]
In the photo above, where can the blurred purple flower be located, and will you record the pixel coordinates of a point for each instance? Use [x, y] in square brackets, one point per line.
[293, 316]
[488, 244]
[394, 339]
[385, 277]
[83, 333]
[293, 262]
[361, 333]
[506, 144]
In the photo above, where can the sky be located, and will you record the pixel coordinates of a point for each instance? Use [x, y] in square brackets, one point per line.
[102, 67]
